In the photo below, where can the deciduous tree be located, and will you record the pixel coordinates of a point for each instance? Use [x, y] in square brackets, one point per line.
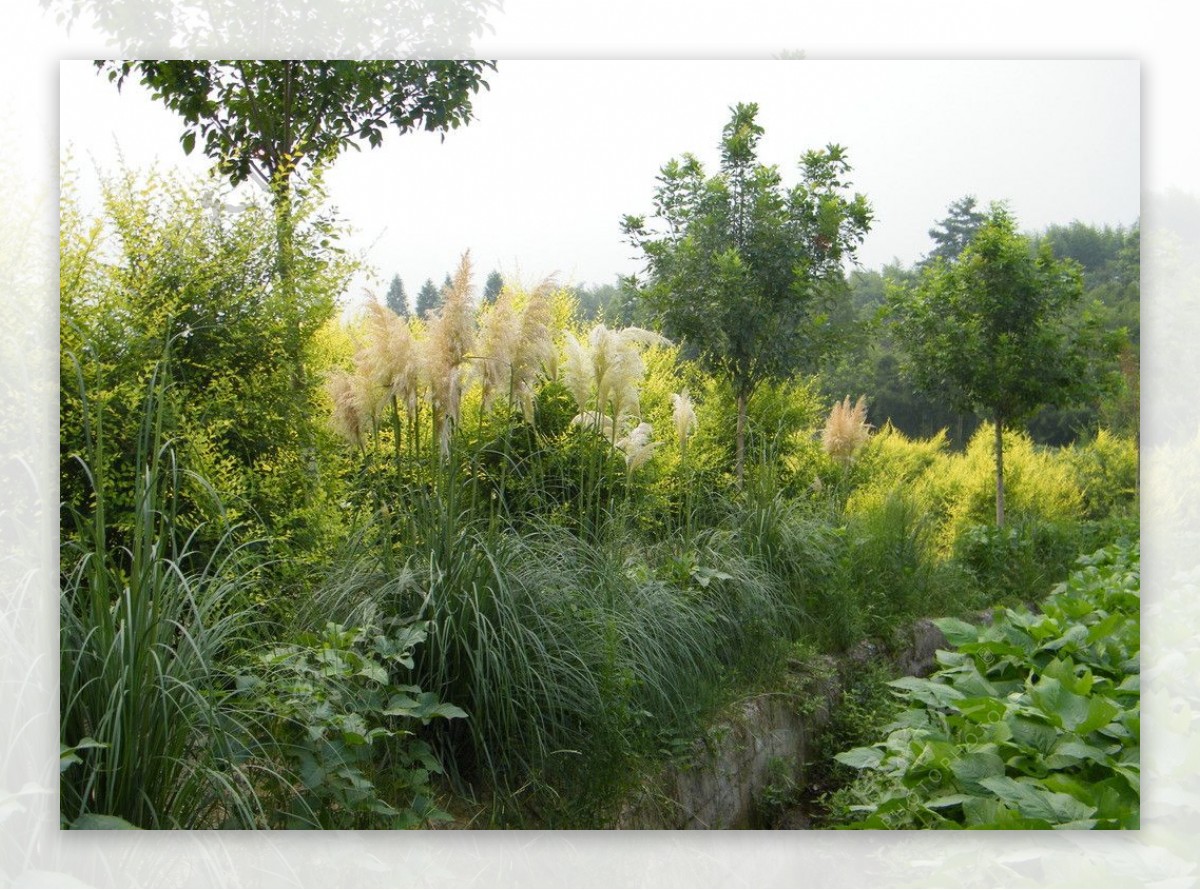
[998, 332]
[738, 265]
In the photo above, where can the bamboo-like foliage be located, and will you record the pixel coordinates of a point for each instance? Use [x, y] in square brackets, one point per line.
[145, 730]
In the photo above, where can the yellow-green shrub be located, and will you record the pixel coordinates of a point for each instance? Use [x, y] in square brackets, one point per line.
[1106, 470]
[889, 462]
[1039, 484]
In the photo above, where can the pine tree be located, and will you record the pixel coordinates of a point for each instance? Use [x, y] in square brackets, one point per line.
[397, 300]
[428, 299]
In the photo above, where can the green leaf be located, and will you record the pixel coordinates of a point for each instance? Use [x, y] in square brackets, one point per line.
[1036, 802]
[1061, 707]
[971, 769]
[981, 709]
[949, 800]
[860, 758]
[98, 822]
[956, 631]
[68, 755]
[1100, 712]
[937, 695]
[373, 671]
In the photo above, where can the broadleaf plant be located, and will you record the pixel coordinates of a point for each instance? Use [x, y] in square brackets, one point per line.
[1031, 722]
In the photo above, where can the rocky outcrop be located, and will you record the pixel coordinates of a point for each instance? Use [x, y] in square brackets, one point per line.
[763, 741]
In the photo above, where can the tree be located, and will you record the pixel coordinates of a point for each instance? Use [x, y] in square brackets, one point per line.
[267, 119]
[955, 232]
[492, 287]
[397, 300]
[998, 332]
[270, 120]
[740, 267]
[428, 299]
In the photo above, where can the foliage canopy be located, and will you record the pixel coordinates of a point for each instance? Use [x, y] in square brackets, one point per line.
[266, 118]
[995, 332]
[738, 263]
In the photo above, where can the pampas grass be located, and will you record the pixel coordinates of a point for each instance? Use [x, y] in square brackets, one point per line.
[684, 415]
[637, 446]
[352, 406]
[846, 430]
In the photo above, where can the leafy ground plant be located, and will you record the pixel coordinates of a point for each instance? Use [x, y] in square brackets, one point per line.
[348, 729]
[1032, 722]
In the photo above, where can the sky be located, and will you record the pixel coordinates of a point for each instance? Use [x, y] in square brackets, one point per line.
[559, 151]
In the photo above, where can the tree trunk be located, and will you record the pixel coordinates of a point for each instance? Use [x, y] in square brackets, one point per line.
[740, 463]
[999, 472]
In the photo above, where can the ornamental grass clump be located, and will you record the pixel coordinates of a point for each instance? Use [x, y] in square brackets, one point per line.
[846, 430]
[684, 415]
[352, 408]
[391, 358]
[148, 733]
[516, 346]
[450, 341]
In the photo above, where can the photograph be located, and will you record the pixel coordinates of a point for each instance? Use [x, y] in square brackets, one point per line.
[612, 445]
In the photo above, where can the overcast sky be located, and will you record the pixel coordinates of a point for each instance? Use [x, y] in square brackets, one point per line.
[559, 151]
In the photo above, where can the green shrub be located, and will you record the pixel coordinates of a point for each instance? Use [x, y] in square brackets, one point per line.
[1015, 563]
[339, 725]
[1033, 722]
[961, 490]
[1107, 472]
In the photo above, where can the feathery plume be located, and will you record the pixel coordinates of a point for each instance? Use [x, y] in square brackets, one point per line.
[534, 353]
[846, 430]
[578, 371]
[594, 420]
[637, 446]
[684, 415]
[499, 332]
[389, 358]
[449, 342]
[351, 405]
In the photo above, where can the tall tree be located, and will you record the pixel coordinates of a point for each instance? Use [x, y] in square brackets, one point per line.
[739, 266]
[267, 119]
[955, 232]
[998, 332]
[397, 300]
[429, 298]
[492, 287]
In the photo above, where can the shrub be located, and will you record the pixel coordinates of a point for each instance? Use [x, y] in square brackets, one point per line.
[1106, 470]
[961, 491]
[1033, 722]
[336, 717]
[1016, 562]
